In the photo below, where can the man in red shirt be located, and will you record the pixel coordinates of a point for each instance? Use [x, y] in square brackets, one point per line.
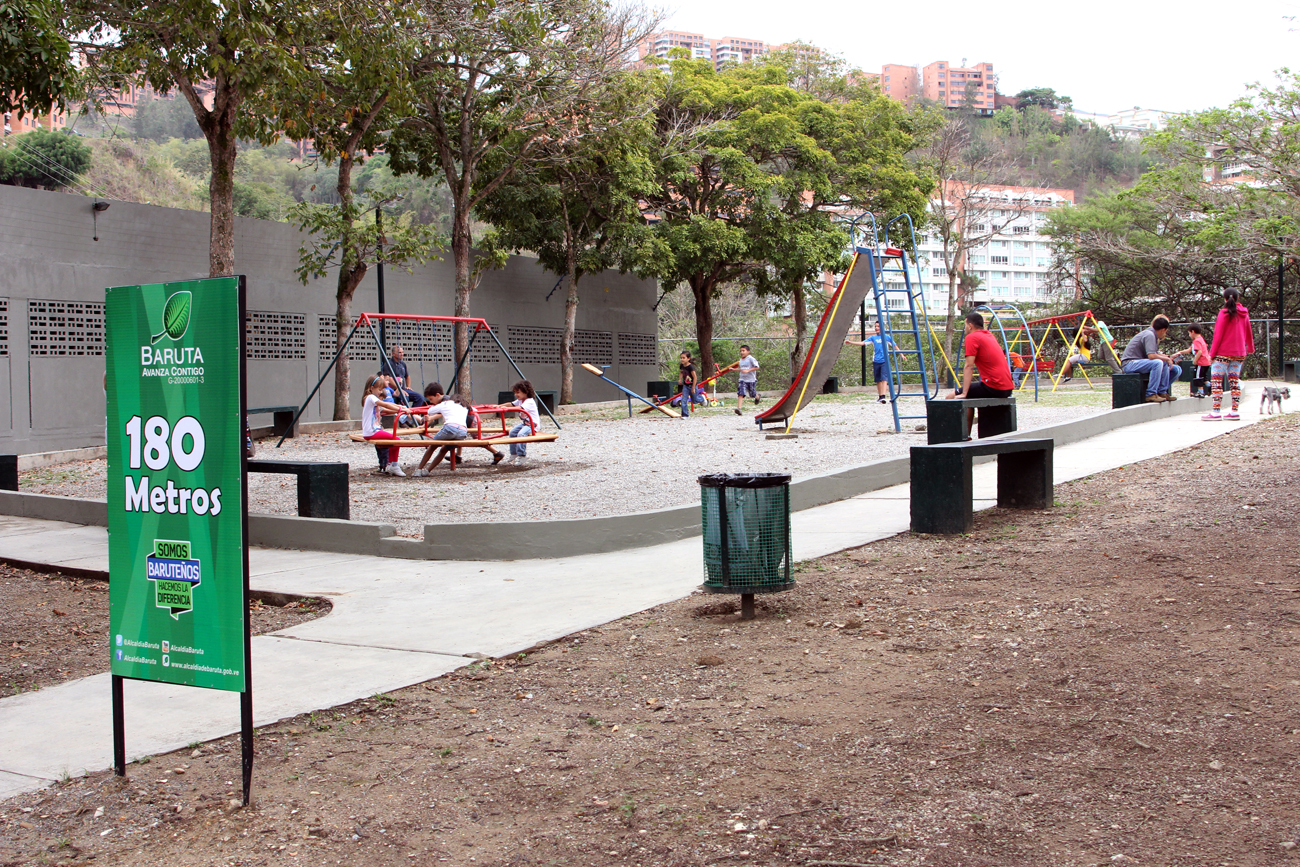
[983, 354]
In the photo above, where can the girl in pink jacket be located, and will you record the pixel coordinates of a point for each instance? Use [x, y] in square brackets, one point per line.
[1233, 341]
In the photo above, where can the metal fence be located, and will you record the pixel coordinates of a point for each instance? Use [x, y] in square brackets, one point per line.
[773, 353]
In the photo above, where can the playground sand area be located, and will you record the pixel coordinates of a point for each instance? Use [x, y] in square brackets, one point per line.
[1112, 681]
[603, 463]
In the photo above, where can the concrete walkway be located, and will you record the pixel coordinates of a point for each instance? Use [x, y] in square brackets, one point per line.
[401, 622]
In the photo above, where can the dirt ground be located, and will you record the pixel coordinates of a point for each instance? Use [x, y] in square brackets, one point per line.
[53, 627]
[1113, 681]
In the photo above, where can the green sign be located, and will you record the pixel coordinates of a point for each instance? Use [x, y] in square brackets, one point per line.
[175, 483]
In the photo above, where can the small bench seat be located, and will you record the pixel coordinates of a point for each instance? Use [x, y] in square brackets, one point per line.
[281, 419]
[945, 420]
[322, 486]
[942, 490]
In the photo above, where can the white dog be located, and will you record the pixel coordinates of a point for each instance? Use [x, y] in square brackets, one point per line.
[1272, 394]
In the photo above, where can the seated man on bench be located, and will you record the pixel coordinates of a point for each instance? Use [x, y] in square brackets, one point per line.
[983, 354]
[1143, 356]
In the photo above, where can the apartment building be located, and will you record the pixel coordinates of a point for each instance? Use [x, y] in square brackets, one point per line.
[941, 82]
[899, 82]
[722, 51]
[52, 120]
[1014, 265]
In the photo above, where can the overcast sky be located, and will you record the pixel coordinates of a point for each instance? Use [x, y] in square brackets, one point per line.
[1106, 54]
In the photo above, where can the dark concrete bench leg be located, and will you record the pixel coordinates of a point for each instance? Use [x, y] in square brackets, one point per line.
[942, 492]
[1025, 480]
[8, 472]
[323, 492]
[282, 424]
[1127, 389]
[946, 422]
[994, 420]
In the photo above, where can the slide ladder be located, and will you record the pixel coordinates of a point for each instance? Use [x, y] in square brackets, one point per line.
[904, 323]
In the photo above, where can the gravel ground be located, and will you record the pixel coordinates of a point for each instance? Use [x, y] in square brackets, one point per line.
[603, 463]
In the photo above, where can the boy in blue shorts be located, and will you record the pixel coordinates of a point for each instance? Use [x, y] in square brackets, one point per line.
[878, 345]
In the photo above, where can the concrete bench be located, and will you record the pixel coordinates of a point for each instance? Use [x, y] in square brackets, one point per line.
[281, 419]
[945, 420]
[322, 487]
[942, 491]
[1290, 369]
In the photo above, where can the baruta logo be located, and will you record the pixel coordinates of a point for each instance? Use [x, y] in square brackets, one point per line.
[175, 318]
[175, 322]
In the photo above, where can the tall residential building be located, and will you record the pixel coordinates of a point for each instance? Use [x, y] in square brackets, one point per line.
[899, 82]
[941, 82]
[722, 51]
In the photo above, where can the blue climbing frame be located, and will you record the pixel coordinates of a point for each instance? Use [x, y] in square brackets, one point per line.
[906, 347]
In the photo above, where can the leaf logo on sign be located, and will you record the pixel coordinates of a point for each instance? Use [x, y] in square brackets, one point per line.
[176, 317]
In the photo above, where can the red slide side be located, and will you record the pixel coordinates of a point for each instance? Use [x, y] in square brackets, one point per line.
[826, 343]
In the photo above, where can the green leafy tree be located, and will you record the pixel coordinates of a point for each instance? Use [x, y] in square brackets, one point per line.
[163, 119]
[495, 81]
[578, 208]
[36, 68]
[356, 87]
[42, 158]
[215, 53]
[750, 174]
[1043, 97]
[853, 158]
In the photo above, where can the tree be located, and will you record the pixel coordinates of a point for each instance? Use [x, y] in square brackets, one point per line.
[355, 88]
[971, 205]
[750, 195]
[36, 68]
[495, 80]
[219, 51]
[1222, 212]
[578, 208]
[1043, 97]
[857, 164]
[42, 158]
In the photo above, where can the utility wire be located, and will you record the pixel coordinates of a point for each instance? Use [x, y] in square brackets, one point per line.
[61, 174]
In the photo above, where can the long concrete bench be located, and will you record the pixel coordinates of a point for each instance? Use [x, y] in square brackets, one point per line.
[942, 490]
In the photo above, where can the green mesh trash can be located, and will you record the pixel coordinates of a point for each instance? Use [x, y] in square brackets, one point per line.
[746, 522]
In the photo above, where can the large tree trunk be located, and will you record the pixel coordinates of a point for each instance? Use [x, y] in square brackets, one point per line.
[351, 271]
[702, 289]
[800, 329]
[462, 251]
[570, 330]
[222, 148]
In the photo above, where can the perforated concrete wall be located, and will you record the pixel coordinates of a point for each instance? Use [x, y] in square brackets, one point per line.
[54, 273]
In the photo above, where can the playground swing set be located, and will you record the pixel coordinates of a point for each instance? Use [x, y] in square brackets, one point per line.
[418, 435]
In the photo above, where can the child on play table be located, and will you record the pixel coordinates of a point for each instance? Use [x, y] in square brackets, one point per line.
[372, 428]
[454, 413]
[526, 401]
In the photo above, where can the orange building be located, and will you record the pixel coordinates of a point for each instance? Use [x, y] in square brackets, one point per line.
[15, 125]
[941, 82]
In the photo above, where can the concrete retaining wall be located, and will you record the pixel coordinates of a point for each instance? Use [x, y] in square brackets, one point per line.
[568, 538]
[52, 323]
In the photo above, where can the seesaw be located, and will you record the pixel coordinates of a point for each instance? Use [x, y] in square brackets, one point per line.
[600, 371]
[700, 384]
